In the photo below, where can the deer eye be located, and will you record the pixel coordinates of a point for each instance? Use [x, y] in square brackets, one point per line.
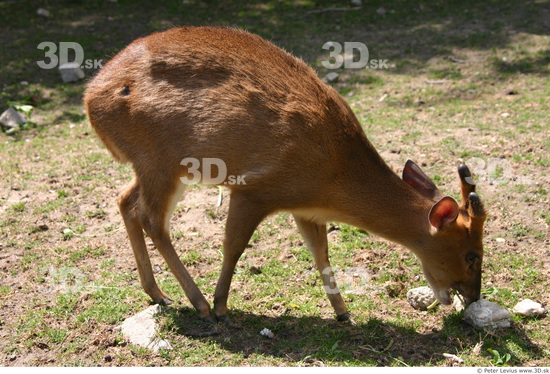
[471, 258]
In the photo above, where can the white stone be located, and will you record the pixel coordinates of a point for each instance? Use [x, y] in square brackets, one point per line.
[267, 333]
[43, 12]
[12, 118]
[455, 358]
[457, 303]
[71, 72]
[332, 77]
[528, 308]
[421, 297]
[141, 330]
[484, 313]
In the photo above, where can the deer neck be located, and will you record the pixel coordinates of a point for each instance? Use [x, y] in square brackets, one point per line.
[371, 196]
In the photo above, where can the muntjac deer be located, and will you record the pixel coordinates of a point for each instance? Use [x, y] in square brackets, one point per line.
[225, 94]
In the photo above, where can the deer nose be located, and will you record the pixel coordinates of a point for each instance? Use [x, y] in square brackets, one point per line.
[469, 296]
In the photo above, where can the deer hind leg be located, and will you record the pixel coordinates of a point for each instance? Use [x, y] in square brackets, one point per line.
[242, 220]
[158, 197]
[315, 236]
[128, 205]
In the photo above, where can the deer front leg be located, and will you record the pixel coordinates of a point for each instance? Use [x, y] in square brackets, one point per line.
[315, 236]
[242, 220]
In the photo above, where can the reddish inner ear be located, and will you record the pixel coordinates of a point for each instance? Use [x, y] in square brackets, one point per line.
[444, 212]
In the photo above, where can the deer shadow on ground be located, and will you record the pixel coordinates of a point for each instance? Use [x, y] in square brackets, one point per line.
[316, 341]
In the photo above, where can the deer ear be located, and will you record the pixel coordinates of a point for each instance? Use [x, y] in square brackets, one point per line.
[414, 177]
[443, 212]
[477, 213]
[467, 185]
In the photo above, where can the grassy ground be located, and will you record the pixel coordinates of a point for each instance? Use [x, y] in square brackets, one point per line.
[466, 81]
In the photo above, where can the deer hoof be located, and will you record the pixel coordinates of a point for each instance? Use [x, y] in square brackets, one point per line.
[224, 319]
[343, 317]
[209, 319]
[166, 301]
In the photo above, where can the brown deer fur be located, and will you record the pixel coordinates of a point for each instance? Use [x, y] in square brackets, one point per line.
[210, 92]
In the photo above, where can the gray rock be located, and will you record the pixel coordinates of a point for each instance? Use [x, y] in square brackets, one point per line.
[12, 118]
[528, 308]
[267, 333]
[356, 2]
[484, 313]
[43, 12]
[141, 330]
[381, 11]
[421, 297]
[71, 72]
[332, 77]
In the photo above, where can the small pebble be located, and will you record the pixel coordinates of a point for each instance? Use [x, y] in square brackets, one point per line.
[453, 357]
[332, 77]
[457, 304]
[528, 308]
[267, 333]
[43, 12]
